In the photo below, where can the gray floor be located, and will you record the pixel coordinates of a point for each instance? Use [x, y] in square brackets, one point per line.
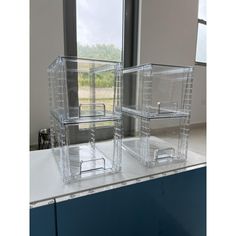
[197, 140]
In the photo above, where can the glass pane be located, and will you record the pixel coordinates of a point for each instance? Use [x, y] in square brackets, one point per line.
[201, 43]
[99, 36]
[202, 10]
[99, 29]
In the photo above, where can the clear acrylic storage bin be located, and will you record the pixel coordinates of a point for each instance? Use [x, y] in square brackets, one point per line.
[85, 112]
[158, 108]
[89, 156]
[83, 88]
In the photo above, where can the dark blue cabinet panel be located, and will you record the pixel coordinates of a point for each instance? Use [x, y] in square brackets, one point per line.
[170, 206]
[42, 221]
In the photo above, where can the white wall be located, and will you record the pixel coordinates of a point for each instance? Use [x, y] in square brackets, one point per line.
[168, 34]
[46, 42]
[199, 95]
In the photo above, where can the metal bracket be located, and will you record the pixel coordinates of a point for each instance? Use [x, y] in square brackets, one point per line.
[93, 109]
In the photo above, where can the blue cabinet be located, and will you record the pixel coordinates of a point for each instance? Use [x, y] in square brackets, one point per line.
[174, 205]
[43, 221]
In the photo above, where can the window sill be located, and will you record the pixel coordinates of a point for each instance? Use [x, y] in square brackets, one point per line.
[200, 63]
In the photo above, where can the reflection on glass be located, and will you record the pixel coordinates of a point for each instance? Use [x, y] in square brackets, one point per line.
[201, 43]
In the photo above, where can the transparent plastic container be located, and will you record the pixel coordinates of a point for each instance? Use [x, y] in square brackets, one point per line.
[159, 109]
[83, 88]
[85, 112]
[89, 156]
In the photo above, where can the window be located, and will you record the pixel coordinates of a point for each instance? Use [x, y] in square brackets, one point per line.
[201, 36]
[102, 30]
[99, 36]
[99, 29]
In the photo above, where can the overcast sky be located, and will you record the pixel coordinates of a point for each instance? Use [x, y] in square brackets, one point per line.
[202, 10]
[99, 21]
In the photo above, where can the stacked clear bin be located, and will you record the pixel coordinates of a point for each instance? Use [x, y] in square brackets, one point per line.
[82, 109]
[158, 108]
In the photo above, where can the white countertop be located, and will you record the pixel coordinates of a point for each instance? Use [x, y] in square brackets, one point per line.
[46, 185]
